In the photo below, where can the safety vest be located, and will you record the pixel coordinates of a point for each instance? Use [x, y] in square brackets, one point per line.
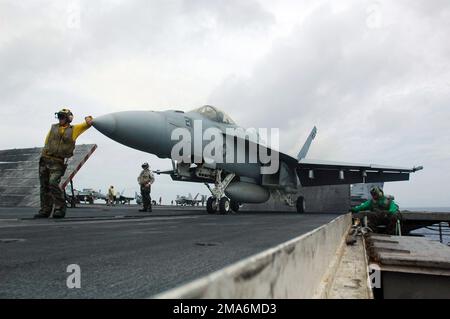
[145, 177]
[382, 203]
[59, 145]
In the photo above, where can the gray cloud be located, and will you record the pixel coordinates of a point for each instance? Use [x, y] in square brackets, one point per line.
[374, 76]
[378, 94]
[69, 38]
[55, 54]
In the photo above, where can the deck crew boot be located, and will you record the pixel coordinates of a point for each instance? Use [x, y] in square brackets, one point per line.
[42, 214]
[59, 213]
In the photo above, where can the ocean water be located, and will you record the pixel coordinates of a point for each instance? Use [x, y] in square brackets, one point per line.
[432, 234]
[427, 209]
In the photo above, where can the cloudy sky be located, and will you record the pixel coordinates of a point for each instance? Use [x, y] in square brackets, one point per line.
[374, 76]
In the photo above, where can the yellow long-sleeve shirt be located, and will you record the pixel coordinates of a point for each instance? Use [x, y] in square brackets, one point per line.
[78, 129]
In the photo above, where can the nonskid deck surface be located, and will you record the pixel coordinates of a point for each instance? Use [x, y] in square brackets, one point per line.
[124, 253]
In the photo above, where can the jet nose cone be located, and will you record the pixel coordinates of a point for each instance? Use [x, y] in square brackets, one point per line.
[142, 130]
[106, 124]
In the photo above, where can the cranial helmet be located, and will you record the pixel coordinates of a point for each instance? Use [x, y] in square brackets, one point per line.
[145, 165]
[376, 191]
[64, 114]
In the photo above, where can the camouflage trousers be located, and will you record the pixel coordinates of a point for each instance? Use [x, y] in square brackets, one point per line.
[383, 218]
[146, 199]
[50, 173]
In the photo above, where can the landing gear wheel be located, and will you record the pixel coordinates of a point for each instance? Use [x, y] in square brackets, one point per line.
[211, 206]
[224, 205]
[301, 206]
[234, 206]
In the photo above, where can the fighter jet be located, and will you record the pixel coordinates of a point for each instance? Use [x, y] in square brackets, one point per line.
[188, 200]
[138, 198]
[98, 195]
[87, 195]
[122, 199]
[237, 178]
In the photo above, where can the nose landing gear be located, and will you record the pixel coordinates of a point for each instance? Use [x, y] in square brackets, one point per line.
[218, 201]
[211, 205]
[224, 206]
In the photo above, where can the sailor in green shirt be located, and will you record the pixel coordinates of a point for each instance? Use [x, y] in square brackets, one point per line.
[383, 210]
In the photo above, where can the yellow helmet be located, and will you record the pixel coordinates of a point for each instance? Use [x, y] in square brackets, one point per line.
[64, 114]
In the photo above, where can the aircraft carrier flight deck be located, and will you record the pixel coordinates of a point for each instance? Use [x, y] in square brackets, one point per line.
[123, 253]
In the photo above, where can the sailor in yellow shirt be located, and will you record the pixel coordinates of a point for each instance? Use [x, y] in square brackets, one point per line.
[59, 146]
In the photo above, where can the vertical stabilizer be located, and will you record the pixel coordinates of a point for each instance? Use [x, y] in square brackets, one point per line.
[304, 151]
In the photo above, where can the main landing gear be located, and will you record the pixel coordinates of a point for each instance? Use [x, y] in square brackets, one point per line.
[299, 203]
[223, 206]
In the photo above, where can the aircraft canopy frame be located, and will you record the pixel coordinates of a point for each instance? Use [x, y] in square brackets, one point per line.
[214, 114]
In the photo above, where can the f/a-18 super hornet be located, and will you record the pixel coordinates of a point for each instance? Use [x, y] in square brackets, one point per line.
[87, 195]
[207, 146]
[122, 199]
[188, 200]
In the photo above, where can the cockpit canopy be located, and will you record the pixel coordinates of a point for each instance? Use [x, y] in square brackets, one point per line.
[214, 114]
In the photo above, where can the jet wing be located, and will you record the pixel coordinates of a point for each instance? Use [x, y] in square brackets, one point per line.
[318, 172]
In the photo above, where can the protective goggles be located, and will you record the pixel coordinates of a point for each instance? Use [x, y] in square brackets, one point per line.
[64, 116]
